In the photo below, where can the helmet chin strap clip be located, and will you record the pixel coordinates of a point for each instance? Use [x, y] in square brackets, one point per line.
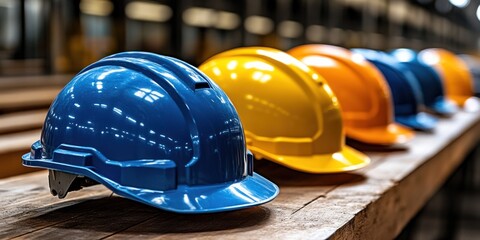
[61, 183]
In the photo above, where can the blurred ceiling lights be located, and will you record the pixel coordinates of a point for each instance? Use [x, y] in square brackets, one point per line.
[315, 33]
[478, 13]
[459, 3]
[227, 20]
[207, 17]
[258, 25]
[148, 11]
[199, 17]
[290, 29]
[96, 7]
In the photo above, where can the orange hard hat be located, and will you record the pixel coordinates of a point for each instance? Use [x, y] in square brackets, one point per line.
[362, 92]
[457, 79]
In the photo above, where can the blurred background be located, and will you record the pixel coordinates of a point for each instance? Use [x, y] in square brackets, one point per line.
[54, 37]
[43, 43]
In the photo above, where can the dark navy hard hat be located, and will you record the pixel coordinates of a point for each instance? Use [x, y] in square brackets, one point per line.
[429, 81]
[407, 96]
[153, 129]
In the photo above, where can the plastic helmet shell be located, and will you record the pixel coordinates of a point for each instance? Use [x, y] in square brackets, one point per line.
[290, 114]
[457, 79]
[153, 129]
[429, 81]
[405, 89]
[361, 90]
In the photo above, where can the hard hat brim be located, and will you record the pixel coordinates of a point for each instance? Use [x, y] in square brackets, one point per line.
[444, 107]
[251, 191]
[348, 159]
[420, 121]
[382, 135]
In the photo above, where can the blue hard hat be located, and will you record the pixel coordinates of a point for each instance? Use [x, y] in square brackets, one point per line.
[405, 89]
[429, 81]
[153, 129]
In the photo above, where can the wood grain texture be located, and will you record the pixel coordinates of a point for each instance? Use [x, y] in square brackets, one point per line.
[37, 81]
[372, 203]
[28, 98]
[12, 147]
[22, 121]
[18, 131]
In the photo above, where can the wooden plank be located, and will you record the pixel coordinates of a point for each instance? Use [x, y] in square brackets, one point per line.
[18, 195]
[398, 187]
[53, 211]
[18, 141]
[414, 182]
[20, 121]
[311, 190]
[25, 200]
[310, 185]
[22, 82]
[28, 98]
[12, 147]
[375, 202]
[75, 220]
[19, 190]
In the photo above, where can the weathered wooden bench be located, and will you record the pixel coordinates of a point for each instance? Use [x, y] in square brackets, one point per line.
[24, 102]
[373, 203]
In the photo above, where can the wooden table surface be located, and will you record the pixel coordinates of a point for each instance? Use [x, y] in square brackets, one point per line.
[373, 203]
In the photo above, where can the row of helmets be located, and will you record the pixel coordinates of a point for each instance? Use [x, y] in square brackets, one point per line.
[162, 132]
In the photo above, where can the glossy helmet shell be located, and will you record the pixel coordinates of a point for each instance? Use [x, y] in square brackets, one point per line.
[405, 89]
[290, 114]
[154, 129]
[429, 81]
[457, 79]
[361, 90]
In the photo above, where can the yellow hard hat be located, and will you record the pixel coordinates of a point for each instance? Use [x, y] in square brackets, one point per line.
[362, 91]
[457, 79]
[289, 113]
